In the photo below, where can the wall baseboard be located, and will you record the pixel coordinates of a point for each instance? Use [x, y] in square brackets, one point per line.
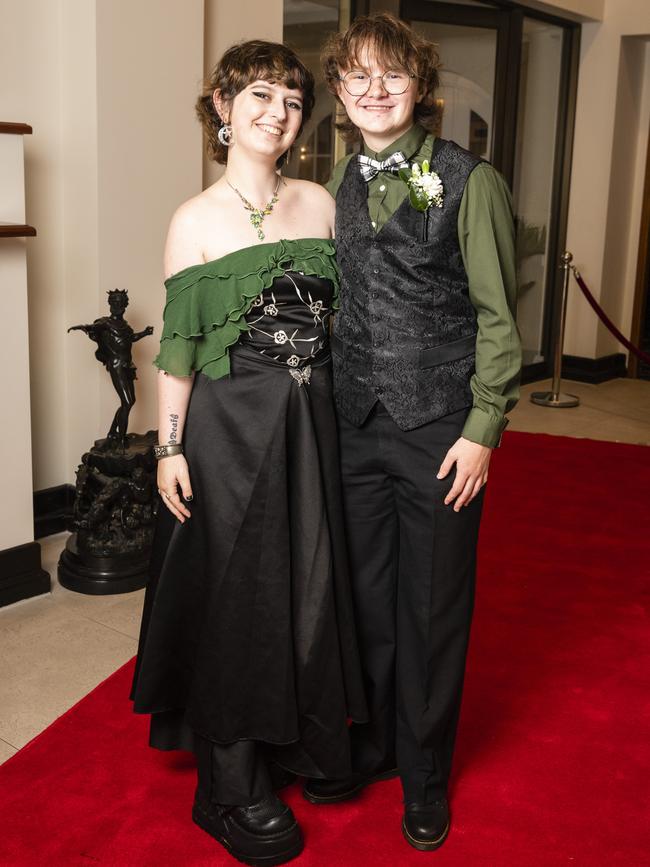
[594, 370]
[52, 509]
[21, 576]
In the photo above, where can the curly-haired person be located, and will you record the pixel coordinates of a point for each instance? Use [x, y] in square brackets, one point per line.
[426, 364]
[247, 651]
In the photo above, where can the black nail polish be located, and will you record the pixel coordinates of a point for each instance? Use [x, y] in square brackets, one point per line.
[189, 499]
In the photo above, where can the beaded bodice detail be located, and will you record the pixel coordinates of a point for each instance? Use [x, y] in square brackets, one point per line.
[289, 320]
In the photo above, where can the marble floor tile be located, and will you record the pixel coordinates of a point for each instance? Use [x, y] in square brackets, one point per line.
[618, 410]
[629, 398]
[6, 751]
[52, 657]
[121, 611]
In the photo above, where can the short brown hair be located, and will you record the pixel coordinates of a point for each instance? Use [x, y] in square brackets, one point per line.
[241, 65]
[398, 46]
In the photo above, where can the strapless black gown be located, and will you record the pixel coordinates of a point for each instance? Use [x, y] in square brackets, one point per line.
[248, 629]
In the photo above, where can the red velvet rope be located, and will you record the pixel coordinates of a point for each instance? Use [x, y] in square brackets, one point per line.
[607, 322]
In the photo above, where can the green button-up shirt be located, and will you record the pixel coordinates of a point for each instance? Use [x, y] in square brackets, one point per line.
[487, 243]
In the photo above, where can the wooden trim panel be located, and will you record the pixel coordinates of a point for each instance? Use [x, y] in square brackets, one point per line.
[15, 128]
[21, 575]
[16, 230]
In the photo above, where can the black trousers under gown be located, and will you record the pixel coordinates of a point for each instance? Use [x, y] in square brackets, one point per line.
[248, 633]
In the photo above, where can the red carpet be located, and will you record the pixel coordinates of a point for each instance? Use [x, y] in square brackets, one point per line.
[553, 759]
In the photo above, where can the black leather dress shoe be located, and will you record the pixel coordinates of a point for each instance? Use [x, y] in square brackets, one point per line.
[261, 835]
[426, 826]
[334, 791]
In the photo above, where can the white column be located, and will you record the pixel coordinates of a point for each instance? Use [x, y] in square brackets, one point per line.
[16, 526]
[20, 572]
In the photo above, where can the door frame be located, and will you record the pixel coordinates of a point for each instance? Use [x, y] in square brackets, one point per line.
[507, 17]
[642, 283]
[507, 60]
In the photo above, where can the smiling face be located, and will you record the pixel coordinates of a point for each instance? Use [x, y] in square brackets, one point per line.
[381, 117]
[265, 116]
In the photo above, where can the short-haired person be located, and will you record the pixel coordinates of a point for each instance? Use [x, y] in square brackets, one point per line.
[247, 651]
[426, 364]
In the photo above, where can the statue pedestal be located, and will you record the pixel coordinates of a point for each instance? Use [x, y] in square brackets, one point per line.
[101, 576]
[113, 519]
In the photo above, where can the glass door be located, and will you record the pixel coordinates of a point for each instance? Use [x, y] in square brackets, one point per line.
[306, 25]
[537, 118]
[507, 91]
[472, 42]
[466, 94]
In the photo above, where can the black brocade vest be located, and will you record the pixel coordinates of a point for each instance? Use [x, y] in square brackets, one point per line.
[405, 333]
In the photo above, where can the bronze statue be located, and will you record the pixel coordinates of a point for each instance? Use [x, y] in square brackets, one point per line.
[115, 498]
[114, 338]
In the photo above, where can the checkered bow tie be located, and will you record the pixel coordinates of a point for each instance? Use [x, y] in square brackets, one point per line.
[370, 168]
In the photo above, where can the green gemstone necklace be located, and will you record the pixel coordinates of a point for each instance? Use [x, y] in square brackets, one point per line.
[258, 214]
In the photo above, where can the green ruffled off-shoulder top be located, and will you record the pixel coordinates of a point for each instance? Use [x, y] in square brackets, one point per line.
[206, 304]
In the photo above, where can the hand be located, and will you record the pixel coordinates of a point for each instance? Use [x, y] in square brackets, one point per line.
[148, 330]
[172, 474]
[472, 461]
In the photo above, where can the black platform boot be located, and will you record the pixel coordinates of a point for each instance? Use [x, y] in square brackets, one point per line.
[264, 833]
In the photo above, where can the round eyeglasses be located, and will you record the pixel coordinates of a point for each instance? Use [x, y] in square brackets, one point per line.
[394, 81]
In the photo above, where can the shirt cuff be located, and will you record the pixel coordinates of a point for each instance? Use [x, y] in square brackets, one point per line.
[483, 428]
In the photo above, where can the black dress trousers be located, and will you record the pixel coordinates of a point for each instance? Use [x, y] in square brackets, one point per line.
[234, 774]
[413, 563]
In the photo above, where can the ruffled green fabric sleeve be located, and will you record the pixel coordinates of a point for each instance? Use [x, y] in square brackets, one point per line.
[207, 304]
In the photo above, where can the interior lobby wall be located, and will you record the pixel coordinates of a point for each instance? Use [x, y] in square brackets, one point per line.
[31, 59]
[149, 70]
[108, 87]
[253, 20]
[626, 183]
[594, 198]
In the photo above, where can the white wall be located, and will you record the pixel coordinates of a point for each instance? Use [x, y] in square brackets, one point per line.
[31, 59]
[224, 27]
[109, 88]
[611, 136]
[149, 71]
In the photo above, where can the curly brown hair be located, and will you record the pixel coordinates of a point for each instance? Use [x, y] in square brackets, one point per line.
[397, 46]
[241, 65]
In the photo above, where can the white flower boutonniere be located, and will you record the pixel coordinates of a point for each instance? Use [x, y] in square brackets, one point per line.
[425, 187]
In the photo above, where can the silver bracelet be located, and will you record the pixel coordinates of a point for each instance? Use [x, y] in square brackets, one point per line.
[166, 451]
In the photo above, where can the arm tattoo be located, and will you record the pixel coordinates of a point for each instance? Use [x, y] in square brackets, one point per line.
[173, 434]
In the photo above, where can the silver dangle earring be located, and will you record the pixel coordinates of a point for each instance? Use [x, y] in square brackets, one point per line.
[225, 135]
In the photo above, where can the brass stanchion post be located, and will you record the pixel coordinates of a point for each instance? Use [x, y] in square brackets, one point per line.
[555, 396]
